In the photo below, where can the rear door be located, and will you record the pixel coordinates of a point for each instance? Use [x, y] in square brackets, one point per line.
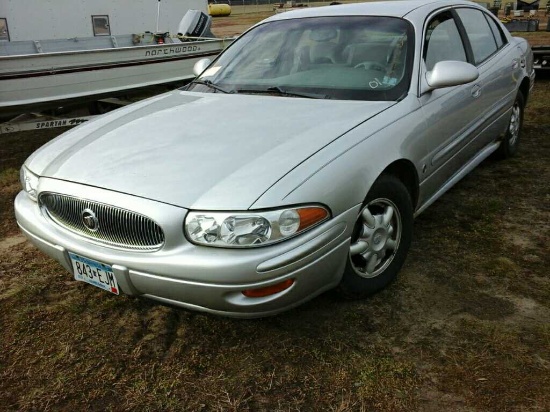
[498, 64]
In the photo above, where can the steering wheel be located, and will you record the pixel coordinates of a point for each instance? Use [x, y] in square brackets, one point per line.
[370, 65]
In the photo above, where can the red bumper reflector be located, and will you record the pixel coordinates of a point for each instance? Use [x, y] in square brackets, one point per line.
[268, 290]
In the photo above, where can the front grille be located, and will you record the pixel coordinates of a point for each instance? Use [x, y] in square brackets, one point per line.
[102, 223]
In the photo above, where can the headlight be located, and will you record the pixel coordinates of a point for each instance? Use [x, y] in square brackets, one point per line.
[29, 182]
[251, 229]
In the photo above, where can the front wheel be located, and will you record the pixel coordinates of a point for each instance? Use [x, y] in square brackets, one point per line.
[380, 241]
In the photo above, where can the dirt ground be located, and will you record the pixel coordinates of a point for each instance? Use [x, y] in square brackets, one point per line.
[466, 327]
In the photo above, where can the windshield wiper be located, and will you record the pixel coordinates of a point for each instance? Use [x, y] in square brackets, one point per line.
[283, 92]
[211, 85]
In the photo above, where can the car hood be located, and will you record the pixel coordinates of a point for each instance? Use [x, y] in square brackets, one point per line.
[199, 150]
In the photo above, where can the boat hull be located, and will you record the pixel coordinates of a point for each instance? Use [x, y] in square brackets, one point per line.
[46, 79]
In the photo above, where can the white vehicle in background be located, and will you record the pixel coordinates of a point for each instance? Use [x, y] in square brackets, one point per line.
[54, 53]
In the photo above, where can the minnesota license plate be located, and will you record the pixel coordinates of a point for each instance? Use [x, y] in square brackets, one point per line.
[94, 272]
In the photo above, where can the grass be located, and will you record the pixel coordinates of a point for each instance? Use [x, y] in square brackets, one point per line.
[464, 328]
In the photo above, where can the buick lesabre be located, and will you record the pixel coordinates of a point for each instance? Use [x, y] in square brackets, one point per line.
[293, 164]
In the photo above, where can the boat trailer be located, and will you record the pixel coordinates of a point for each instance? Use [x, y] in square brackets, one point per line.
[65, 117]
[37, 122]
[541, 57]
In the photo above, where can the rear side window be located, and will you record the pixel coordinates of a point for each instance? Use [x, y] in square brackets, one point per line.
[479, 33]
[497, 32]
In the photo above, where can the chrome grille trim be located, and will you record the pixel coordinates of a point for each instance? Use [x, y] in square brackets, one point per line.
[118, 228]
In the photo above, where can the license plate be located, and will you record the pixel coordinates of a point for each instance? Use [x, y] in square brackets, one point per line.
[94, 272]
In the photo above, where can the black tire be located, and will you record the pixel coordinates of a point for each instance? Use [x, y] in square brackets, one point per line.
[509, 145]
[386, 193]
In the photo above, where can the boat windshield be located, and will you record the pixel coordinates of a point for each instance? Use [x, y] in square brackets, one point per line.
[345, 58]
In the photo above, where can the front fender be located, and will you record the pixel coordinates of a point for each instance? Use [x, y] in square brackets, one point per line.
[341, 174]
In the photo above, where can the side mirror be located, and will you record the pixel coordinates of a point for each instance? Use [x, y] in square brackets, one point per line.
[451, 73]
[200, 66]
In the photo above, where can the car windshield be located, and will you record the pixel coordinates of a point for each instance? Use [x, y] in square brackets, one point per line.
[346, 58]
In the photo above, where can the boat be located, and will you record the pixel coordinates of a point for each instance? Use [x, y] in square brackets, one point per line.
[39, 74]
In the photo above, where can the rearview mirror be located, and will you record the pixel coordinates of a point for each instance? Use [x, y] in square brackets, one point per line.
[451, 73]
[200, 66]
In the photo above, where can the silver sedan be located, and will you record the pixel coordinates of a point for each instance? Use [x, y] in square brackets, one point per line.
[293, 164]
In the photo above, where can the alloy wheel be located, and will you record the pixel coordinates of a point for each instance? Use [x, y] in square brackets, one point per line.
[376, 239]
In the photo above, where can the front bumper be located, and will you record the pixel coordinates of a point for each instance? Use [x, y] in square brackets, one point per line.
[196, 277]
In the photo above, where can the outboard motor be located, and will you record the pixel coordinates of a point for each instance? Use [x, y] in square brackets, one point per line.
[195, 23]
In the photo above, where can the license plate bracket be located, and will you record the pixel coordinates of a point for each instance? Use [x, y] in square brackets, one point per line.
[95, 273]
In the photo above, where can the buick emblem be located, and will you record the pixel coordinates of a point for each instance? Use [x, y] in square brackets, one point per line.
[89, 219]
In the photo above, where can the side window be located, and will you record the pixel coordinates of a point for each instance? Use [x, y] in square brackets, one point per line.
[479, 33]
[101, 26]
[4, 33]
[442, 41]
[497, 32]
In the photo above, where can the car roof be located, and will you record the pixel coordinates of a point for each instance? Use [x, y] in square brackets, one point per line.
[394, 8]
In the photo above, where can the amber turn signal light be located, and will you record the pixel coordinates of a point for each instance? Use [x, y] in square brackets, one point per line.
[310, 216]
[268, 290]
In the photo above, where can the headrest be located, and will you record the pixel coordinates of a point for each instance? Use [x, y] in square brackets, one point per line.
[323, 35]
